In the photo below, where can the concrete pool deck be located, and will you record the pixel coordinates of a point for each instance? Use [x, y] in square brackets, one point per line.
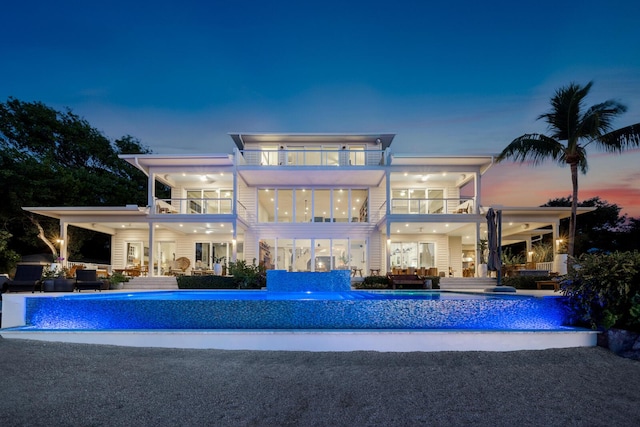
[399, 340]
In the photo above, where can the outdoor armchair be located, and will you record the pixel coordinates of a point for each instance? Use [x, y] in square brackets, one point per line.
[88, 279]
[27, 278]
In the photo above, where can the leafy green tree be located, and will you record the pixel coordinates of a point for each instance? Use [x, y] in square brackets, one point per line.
[602, 228]
[8, 257]
[573, 128]
[53, 158]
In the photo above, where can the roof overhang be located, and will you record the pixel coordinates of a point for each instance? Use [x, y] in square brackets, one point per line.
[145, 162]
[89, 211]
[482, 162]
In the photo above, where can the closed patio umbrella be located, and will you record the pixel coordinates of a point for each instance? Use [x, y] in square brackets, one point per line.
[494, 238]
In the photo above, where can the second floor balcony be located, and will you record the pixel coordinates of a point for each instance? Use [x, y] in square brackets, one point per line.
[312, 157]
[193, 206]
[405, 206]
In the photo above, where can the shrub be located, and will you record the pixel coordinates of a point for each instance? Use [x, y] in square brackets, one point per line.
[248, 276]
[206, 282]
[604, 290]
[373, 282]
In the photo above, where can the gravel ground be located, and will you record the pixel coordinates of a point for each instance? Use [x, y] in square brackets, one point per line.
[57, 384]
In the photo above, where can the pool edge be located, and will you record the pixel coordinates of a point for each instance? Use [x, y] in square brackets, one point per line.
[322, 340]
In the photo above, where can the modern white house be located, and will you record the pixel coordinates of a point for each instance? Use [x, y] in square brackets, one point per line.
[307, 202]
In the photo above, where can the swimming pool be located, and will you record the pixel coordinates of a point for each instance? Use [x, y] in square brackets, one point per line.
[242, 310]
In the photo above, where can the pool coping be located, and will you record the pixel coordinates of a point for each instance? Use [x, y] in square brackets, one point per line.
[322, 340]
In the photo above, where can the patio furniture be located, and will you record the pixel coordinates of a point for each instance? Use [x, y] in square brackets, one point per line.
[88, 279]
[554, 283]
[406, 281]
[27, 278]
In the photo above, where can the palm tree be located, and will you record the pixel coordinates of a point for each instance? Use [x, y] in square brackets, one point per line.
[572, 129]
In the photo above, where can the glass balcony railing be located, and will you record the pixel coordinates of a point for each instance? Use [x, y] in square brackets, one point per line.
[209, 206]
[432, 206]
[292, 157]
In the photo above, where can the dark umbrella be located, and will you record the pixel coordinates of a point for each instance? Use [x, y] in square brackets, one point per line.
[494, 231]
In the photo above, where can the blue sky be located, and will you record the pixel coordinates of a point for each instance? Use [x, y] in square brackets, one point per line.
[450, 77]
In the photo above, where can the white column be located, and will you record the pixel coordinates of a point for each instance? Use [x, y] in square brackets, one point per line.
[476, 190]
[63, 242]
[152, 247]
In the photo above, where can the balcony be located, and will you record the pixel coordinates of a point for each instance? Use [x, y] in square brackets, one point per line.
[310, 157]
[432, 206]
[191, 206]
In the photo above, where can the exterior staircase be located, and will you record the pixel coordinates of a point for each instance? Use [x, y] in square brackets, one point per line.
[152, 283]
[467, 283]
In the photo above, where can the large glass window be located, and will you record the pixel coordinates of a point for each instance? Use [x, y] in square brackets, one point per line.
[210, 201]
[322, 206]
[323, 256]
[285, 206]
[269, 155]
[359, 208]
[266, 205]
[207, 252]
[413, 255]
[302, 255]
[436, 200]
[356, 155]
[340, 205]
[303, 205]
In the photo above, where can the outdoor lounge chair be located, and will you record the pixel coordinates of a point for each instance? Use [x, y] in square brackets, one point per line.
[27, 278]
[88, 279]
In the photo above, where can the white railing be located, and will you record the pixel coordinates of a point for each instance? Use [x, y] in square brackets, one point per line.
[432, 206]
[544, 266]
[209, 206]
[292, 157]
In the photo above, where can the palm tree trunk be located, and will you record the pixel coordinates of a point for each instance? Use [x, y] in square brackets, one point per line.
[574, 210]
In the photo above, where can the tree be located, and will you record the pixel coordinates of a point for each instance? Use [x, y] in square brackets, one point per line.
[602, 228]
[573, 129]
[53, 158]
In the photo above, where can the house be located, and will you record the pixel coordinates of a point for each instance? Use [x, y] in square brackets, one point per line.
[307, 202]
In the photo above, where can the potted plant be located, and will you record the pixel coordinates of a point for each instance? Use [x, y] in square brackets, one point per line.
[117, 280]
[48, 276]
[217, 265]
[482, 257]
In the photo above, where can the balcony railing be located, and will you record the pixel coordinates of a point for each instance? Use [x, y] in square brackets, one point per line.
[432, 206]
[208, 206]
[287, 157]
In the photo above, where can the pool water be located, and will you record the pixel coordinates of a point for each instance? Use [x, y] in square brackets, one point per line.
[184, 310]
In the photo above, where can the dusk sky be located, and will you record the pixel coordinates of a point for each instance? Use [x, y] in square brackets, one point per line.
[454, 77]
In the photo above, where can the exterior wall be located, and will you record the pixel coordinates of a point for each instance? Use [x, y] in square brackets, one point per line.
[375, 252]
[455, 255]
[377, 202]
[248, 198]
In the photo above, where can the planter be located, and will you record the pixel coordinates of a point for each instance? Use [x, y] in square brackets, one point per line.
[560, 264]
[48, 286]
[482, 270]
[64, 285]
[115, 286]
[217, 269]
